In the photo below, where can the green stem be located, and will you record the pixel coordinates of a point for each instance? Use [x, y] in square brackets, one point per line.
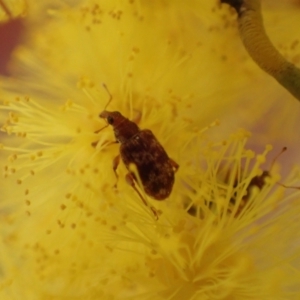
[261, 49]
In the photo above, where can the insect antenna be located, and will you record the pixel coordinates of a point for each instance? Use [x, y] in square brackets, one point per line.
[109, 100]
[279, 183]
[260, 180]
[94, 144]
[109, 94]
[276, 157]
[289, 186]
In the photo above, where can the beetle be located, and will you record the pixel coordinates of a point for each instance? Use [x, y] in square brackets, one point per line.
[258, 181]
[139, 147]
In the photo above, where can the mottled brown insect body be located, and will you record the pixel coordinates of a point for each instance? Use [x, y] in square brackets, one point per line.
[153, 164]
[141, 148]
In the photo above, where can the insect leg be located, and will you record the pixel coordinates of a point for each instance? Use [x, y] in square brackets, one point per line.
[130, 180]
[94, 144]
[174, 164]
[97, 131]
[116, 162]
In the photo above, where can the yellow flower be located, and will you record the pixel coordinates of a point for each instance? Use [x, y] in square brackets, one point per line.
[67, 233]
[13, 9]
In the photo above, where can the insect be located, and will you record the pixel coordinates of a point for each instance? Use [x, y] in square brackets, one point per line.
[258, 181]
[139, 147]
